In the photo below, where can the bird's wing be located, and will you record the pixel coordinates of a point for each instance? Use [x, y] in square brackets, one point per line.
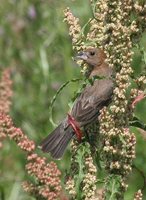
[91, 101]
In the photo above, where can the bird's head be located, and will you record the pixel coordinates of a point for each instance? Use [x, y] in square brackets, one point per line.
[94, 57]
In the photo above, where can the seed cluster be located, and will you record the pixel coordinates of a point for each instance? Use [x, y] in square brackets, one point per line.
[70, 183]
[47, 174]
[95, 35]
[138, 195]
[47, 182]
[89, 172]
[89, 181]
[5, 98]
[70, 187]
[5, 91]
[74, 30]
[140, 11]
[119, 143]
[113, 30]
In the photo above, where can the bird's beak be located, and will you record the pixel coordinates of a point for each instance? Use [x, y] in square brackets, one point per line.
[81, 56]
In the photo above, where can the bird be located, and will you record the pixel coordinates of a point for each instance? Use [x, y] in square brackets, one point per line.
[86, 107]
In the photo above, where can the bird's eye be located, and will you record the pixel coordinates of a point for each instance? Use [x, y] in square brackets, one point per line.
[92, 53]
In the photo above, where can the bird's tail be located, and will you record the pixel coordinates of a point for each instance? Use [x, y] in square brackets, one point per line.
[56, 142]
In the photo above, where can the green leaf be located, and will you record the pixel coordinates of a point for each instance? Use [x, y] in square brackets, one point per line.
[137, 123]
[97, 160]
[44, 62]
[15, 192]
[83, 150]
[2, 193]
[94, 78]
[112, 187]
[79, 177]
[144, 56]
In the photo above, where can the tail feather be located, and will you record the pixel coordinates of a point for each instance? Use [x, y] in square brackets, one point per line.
[56, 142]
[58, 152]
[51, 141]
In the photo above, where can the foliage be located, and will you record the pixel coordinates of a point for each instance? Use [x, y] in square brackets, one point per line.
[35, 43]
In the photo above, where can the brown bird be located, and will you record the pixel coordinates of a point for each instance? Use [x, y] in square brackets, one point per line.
[86, 107]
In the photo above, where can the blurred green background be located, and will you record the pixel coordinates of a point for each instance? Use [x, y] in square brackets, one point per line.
[34, 41]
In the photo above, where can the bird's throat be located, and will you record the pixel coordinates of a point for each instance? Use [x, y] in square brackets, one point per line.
[102, 70]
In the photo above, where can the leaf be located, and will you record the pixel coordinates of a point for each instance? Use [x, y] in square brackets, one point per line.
[80, 175]
[15, 192]
[122, 140]
[94, 78]
[137, 123]
[97, 160]
[144, 56]
[84, 27]
[142, 132]
[44, 62]
[113, 186]
[2, 193]
[83, 150]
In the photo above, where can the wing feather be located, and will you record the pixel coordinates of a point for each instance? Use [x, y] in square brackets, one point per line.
[91, 101]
